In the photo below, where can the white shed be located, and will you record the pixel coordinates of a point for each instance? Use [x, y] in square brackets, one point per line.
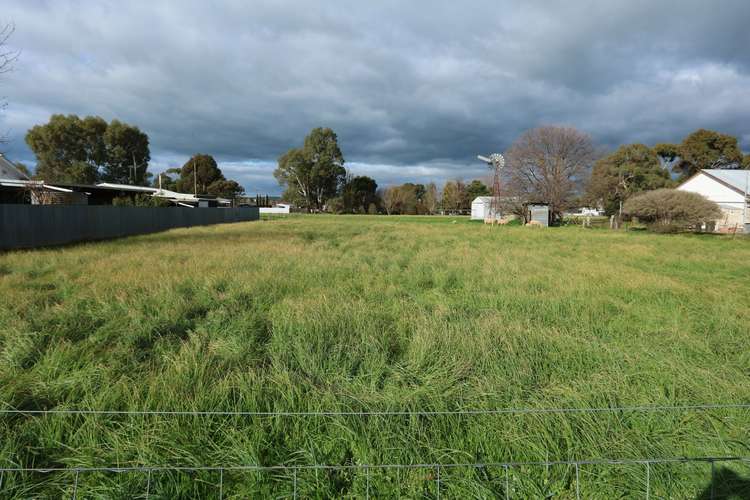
[279, 208]
[481, 208]
[729, 190]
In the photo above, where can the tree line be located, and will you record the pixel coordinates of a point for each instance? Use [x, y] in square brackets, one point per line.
[314, 177]
[89, 150]
[558, 166]
[419, 199]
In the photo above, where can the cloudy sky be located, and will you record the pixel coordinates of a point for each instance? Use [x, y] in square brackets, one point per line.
[414, 90]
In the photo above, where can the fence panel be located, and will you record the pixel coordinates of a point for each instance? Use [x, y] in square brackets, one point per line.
[30, 226]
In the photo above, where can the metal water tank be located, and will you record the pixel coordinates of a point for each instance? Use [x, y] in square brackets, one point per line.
[540, 214]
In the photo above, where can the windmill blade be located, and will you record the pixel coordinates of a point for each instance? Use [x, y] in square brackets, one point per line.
[484, 159]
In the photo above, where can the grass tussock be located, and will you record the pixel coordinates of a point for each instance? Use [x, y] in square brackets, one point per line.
[374, 313]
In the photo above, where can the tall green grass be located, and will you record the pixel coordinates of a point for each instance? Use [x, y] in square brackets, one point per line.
[374, 313]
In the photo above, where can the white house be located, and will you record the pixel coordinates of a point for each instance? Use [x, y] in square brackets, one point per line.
[481, 208]
[729, 190]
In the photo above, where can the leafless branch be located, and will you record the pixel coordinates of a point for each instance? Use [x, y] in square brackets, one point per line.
[7, 56]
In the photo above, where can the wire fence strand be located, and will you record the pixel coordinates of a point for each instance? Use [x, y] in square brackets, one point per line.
[297, 467]
[383, 413]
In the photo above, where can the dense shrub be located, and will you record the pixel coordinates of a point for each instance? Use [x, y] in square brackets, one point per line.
[671, 210]
[140, 200]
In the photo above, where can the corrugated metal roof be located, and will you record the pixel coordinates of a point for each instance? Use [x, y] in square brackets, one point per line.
[738, 179]
[9, 171]
[127, 187]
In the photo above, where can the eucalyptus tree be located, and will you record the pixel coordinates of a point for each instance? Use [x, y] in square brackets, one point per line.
[631, 169]
[313, 173]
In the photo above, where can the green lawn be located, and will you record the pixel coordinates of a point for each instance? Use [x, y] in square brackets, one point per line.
[321, 313]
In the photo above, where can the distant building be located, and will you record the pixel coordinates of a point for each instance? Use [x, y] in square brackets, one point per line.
[65, 193]
[481, 208]
[279, 208]
[538, 213]
[585, 212]
[729, 190]
[17, 188]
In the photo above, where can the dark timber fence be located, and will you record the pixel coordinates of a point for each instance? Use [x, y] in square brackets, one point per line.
[30, 226]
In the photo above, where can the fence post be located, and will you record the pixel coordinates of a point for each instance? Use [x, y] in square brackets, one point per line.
[221, 483]
[438, 482]
[507, 482]
[578, 484]
[75, 486]
[367, 483]
[648, 481]
[294, 492]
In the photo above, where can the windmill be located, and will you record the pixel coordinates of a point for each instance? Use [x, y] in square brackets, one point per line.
[496, 163]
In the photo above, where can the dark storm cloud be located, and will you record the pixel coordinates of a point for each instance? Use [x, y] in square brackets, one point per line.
[413, 89]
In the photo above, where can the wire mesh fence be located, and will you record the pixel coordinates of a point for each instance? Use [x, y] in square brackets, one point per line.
[432, 480]
[520, 479]
[384, 413]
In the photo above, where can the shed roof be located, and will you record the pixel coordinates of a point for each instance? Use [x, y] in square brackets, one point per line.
[482, 199]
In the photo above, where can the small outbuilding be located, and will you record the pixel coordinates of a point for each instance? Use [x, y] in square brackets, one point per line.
[481, 209]
[538, 213]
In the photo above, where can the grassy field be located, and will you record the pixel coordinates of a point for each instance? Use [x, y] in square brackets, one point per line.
[321, 313]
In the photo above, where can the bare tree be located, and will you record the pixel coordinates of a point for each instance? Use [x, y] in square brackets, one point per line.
[549, 165]
[7, 58]
[431, 198]
[390, 199]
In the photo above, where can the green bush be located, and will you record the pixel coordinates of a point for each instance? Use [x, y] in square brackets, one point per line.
[140, 200]
[146, 200]
[671, 210]
[122, 201]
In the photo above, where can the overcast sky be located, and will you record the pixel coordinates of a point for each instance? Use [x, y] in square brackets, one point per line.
[414, 90]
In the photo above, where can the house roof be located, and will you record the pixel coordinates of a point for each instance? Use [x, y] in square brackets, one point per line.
[482, 199]
[9, 171]
[88, 189]
[735, 179]
[27, 184]
[127, 187]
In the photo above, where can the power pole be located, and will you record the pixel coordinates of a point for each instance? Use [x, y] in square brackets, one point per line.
[195, 178]
[744, 207]
[135, 171]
